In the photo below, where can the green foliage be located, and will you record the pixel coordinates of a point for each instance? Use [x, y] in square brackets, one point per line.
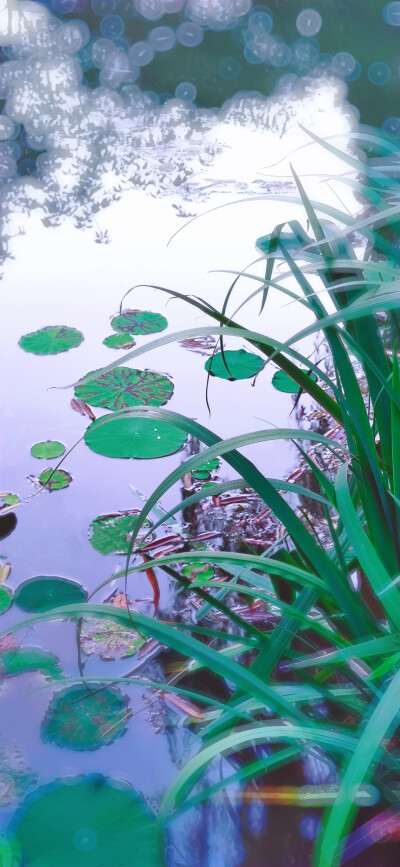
[17, 660]
[47, 592]
[234, 364]
[6, 599]
[111, 534]
[86, 821]
[51, 340]
[282, 382]
[48, 449]
[133, 438]
[85, 717]
[55, 480]
[139, 322]
[119, 341]
[10, 499]
[124, 387]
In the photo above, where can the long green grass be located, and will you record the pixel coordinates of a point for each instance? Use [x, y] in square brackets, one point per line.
[332, 642]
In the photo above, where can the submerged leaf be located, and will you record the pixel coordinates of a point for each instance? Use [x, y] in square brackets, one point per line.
[55, 480]
[17, 660]
[85, 717]
[124, 387]
[87, 822]
[234, 364]
[133, 438]
[119, 341]
[139, 322]
[111, 534]
[47, 591]
[109, 640]
[48, 449]
[51, 340]
[6, 598]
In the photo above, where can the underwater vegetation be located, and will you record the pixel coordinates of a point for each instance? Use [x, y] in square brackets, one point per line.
[298, 625]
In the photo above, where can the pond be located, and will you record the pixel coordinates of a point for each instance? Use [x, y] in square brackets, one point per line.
[109, 196]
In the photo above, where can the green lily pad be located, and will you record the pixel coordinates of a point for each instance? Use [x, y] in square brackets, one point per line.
[198, 572]
[87, 822]
[51, 340]
[119, 341]
[48, 449]
[133, 438]
[55, 480]
[139, 322]
[10, 499]
[234, 364]
[109, 640]
[46, 592]
[111, 534]
[85, 717]
[6, 599]
[283, 382]
[17, 660]
[200, 475]
[124, 387]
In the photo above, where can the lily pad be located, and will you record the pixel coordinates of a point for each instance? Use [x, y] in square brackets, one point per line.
[109, 640]
[283, 382]
[139, 322]
[119, 341]
[55, 480]
[46, 592]
[87, 822]
[234, 364]
[198, 572]
[48, 449]
[85, 717]
[10, 499]
[111, 534]
[51, 340]
[124, 387]
[17, 660]
[6, 599]
[133, 438]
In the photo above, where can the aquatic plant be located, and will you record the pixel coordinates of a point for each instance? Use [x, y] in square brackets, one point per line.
[124, 387]
[51, 340]
[329, 635]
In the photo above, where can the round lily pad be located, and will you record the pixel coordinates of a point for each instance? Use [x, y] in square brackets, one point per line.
[85, 717]
[47, 591]
[124, 387]
[139, 322]
[133, 438]
[234, 364]
[109, 640]
[111, 534]
[87, 822]
[10, 499]
[283, 382]
[6, 599]
[119, 341]
[51, 340]
[55, 480]
[48, 449]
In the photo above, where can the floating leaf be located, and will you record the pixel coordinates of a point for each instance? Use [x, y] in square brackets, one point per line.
[8, 524]
[119, 341]
[133, 438]
[199, 572]
[87, 822]
[109, 640]
[200, 475]
[234, 364]
[111, 534]
[48, 449]
[85, 717]
[47, 591]
[124, 387]
[51, 340]
[283, 382]
[10, 499]
[55, 480]
[6, 599]
[139, 322]
[17, 660]
[208, 466]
